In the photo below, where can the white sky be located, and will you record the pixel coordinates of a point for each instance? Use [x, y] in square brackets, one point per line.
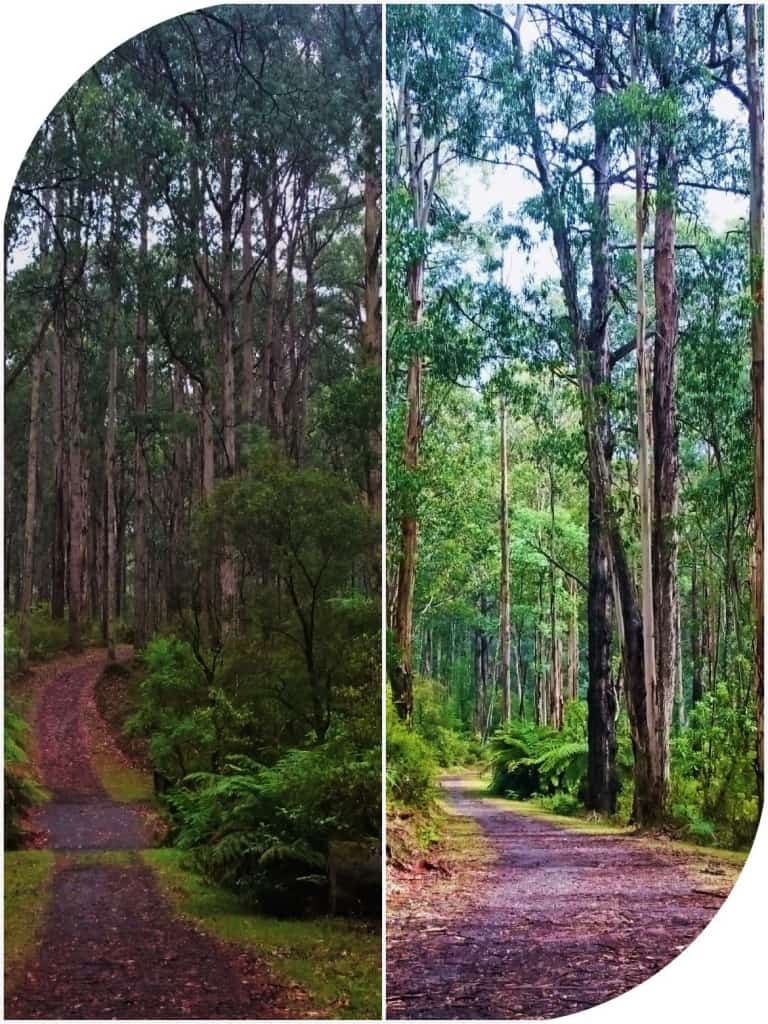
[484, 186]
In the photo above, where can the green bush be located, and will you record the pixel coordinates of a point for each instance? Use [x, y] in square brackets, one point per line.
[21, 790]
[11, 649]
[561, 803]
[713, 786]
[48, 637]
[528, 760]
[410, 766]
[264, 831]
[177, 712]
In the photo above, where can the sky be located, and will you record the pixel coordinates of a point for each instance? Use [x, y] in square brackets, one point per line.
[484, 186]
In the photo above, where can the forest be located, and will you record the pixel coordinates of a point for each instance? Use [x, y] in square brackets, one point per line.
[193, 450]
[574, 404]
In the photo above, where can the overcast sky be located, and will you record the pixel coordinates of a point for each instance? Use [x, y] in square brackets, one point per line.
[484, 186]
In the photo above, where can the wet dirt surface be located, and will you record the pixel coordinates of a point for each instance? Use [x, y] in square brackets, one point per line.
[556, 921]
[79, 816]
[110, 947]
[112, 951]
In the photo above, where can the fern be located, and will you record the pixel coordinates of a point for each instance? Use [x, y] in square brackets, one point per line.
[528, 760]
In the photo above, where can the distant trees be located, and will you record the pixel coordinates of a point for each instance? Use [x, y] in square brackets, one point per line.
[585, 101]
[197, 279]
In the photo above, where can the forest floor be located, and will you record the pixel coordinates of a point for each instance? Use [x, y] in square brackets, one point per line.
[89, 928]
[522, 917]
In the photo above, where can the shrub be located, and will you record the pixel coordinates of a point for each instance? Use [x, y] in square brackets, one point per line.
[561, 803]
[11, 649]
[528, 760]
[178, 712]
[713, 787]
[264, 831]
[21, 790]
[410, 766]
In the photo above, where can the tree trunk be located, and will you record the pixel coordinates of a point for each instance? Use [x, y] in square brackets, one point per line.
[665, 461]
[74, 472]
[602, 784]
[227, 574]
[246, 311]
[643, 454]
[141, 552]
[30, 518]
[372, 331]
[697, 691]
[505, 681]
[402, 675]
[757, 165]
[573, 642]
[111, 519]
[556, 675]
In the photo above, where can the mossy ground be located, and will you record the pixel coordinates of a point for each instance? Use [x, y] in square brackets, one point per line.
[122, 782]
[28, 875]
[335, 960]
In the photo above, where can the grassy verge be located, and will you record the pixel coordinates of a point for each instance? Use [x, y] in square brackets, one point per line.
[123, 783]
[120, 762]
[28, 875]
[336, 961]
[596, 825]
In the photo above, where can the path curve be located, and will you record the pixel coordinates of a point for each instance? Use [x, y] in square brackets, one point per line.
[110, 947]
[561, 921]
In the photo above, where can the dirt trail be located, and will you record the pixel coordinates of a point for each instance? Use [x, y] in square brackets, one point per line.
[110, 947]
[554, 922]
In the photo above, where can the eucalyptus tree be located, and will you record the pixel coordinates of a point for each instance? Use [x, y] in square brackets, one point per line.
[199, 196]
[436, 100]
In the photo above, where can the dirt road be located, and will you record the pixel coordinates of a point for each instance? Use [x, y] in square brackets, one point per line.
[554, 921]
[110, 946]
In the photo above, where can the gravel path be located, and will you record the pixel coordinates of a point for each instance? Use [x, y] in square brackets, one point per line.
[110, 947]
[553, 922]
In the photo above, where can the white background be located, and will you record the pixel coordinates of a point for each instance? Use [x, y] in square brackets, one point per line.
[44, 47]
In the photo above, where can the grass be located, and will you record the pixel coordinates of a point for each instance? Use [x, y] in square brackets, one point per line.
[335, 960]
[28, 875]
[596, 825]
[109, 858]
[123, 783]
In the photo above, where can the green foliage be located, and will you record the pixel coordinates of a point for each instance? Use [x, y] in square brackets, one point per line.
[713, 782]
[48, 637]
[21, 790]
[528, 760]
[411, 766]
[264, 831]
[181, 715]
[11, 648]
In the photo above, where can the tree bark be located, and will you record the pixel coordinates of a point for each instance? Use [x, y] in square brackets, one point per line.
[74, 472]
[643, 454]
[111, 519]
[227, 574]
[505, 681]
[602, 784]
[30, 518]
[372, 331]
[756, 209]
[651, 801]
[697, 691]
[141, 551]
[246, 311]
[573, 642]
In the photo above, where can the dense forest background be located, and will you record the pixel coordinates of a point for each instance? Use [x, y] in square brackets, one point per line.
[575, 407]
[193, 440]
